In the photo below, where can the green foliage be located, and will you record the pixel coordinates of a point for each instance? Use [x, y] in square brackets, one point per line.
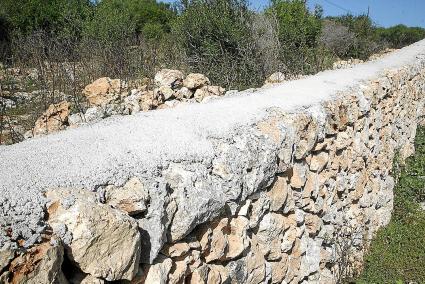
[114, 20]
[366, 40]
[397, 254]
[298, 32]
[400, 35]
[61, 17]
[216, 37]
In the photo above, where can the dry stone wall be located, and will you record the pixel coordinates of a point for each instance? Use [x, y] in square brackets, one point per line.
[294, 196]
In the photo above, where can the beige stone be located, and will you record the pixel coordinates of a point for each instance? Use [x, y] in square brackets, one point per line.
[298, 177]
[269, 235]
[55, 118]
[7, 253]
[164, 92]
[200, 275]
[156, 273]
[255, 264]
[219, 241]
[105, 242]
[176, 250]
[342, 141]
[131, 198]
[217, 274]
[207, 91]
[179, 272]
[102, 91]
[169, 78]
[278, 193]
[275, 78]
[319, 161]
[40, 264]
[237, 240]
[184, 93]
[313, 224]
[279, 269]
[195, 81]
[149, 100]
[288, 240]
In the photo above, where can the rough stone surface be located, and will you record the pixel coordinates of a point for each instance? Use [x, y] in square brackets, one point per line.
[102, 91]
[40, 264]
[207, 91]
[209, 172]
[53, 119]
[103, 241]
[195, 81]
[169, 78]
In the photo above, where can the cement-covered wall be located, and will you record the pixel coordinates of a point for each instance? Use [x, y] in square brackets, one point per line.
[284, 185]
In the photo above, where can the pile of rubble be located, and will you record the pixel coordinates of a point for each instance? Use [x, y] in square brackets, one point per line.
[106, 97]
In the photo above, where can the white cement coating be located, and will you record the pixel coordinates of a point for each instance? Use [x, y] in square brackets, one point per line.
[118, 148]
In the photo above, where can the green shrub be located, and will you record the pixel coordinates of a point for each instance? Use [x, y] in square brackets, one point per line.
[217, 39]
[298, 31]
[114, 20]
[400, 35]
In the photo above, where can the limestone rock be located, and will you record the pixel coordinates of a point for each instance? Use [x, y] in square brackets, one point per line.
[200, 275]
[102, 91]
[313, 224]
[155, 273]
[207, 91]
[278, 193]
[150, 100]
[165, 92]
[298, 177]
[131, 198]
[319, 161]
[219, 242]
[237, 240]
[217, 274]
[169, 78]
[342, 141]
[7, 253]
[184, 93]
[104, 242]
[279, 269]
[176, 250]
[55, 118]
[277, 77]
[40, 264]
[195, 81]
[255, 264]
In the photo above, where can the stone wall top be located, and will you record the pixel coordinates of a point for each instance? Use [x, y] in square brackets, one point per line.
[111, 151]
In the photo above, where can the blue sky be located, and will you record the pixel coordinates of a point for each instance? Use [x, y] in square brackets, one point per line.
[383, 12]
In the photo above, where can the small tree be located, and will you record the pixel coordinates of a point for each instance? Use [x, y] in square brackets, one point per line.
[216, 36]
[298, 32]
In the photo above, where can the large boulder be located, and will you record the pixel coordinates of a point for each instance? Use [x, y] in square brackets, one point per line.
[102, 91]
[195, 81]
[55, 118]
[104, 242]
[169, 78]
